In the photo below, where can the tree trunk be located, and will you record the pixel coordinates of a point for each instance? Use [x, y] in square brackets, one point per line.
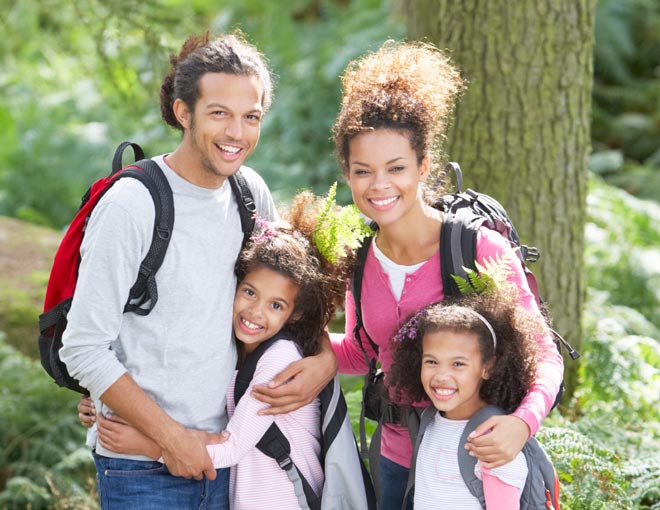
[521, 130]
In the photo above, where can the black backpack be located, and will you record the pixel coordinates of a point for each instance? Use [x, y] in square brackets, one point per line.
[541, 488]
[464, 213]
[347, 485]
[143, 295]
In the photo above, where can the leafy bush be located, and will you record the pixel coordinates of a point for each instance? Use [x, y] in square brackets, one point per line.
[43, 463]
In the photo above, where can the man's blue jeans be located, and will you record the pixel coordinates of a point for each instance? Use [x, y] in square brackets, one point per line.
[393, 481]
[147, 485]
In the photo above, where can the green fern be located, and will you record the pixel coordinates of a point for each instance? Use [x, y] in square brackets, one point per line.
[339, 228]
[492, 275]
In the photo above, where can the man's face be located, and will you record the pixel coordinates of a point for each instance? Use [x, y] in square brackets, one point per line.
[225, 125]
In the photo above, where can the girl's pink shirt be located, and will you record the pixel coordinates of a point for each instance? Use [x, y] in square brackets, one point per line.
[383, 315]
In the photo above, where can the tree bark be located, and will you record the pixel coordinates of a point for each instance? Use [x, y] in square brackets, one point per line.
[521, 130]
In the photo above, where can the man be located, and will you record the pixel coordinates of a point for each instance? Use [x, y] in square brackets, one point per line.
[167, 373]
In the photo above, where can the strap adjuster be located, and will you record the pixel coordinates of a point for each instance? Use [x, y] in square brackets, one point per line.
[285, 462]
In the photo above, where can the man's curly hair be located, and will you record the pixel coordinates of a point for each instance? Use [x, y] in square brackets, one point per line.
[515, 357]
[202, 54]
[408, 87]
[292, 253]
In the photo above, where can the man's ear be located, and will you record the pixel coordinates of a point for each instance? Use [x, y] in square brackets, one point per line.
[182, 112]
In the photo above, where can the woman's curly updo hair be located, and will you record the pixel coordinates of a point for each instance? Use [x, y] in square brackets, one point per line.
[514, 359]
[408, 87]
[291, 252]
[229, 53]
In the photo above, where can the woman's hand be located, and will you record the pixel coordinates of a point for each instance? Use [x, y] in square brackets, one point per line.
[299, 383]
[498, 440]
[117, 435]
[86, 411]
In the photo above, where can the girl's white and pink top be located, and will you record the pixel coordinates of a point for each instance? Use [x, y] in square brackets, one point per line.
[438, 480]
[256, 481]
[385, 308]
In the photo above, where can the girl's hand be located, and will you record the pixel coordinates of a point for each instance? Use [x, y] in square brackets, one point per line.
[299, 383]
[212, 438]
[117, 435]
[498, 440]
[86, 411]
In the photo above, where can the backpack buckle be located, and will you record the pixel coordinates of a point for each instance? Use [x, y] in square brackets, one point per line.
[530, 253]
[163, 233]
[285, 462]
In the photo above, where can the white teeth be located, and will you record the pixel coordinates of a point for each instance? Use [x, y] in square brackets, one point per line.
[383, 202]
[443, 392]
[229, 148]
[250, 325]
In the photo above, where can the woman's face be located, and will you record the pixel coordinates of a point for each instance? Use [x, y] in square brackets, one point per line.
[384, 175]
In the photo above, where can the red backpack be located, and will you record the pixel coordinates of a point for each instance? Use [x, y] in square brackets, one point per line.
[143, 295]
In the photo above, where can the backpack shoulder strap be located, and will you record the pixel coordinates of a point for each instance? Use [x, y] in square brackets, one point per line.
[246, 372]
[466, 463]
[426, 418]
[144, 294]
[246, 205]
[356, 290]
[274, 443]
[542, 484]
[458, 247]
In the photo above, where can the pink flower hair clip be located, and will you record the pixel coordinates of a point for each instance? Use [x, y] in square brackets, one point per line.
[264, 229]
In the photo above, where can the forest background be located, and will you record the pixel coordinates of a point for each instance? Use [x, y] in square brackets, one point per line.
[79, 77]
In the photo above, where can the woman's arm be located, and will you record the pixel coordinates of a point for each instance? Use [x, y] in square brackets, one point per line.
[497, 440]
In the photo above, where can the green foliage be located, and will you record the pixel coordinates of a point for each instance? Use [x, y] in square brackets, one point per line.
[590, 474]
[43, 463]
[492, 275]
[623, 249]
[339, 228]
[80, 77]
[626, 87]
[626, 93]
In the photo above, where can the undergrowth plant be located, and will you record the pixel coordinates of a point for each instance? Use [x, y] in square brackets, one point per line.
[43, 461]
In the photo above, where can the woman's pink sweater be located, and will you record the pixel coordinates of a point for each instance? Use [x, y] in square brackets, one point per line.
[383, 315]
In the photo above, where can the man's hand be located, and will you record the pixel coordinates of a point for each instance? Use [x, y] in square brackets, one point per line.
[498, 440]
[299, 383]
[185, 455]
[183, 451]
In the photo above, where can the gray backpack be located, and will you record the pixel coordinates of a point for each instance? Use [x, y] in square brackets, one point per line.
[347, 484]
[541, 491]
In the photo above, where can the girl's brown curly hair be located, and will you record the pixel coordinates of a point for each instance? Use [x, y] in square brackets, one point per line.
[409, 87]
[291, 252]
[515, 361]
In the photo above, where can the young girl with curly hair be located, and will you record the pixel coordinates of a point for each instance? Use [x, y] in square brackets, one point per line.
[388, 135]
[287, 287]
[462, 355]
